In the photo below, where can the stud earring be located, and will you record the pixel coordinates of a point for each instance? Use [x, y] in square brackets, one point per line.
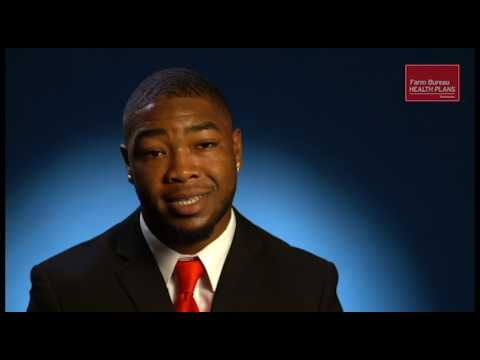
[130, 178]
[238, 167]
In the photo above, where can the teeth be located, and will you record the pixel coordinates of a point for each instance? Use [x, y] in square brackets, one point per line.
[189, 201]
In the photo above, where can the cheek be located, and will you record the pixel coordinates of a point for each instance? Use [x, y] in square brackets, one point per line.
[147, 180]
[224, 176]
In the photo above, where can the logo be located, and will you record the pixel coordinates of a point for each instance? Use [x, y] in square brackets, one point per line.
[432, 83]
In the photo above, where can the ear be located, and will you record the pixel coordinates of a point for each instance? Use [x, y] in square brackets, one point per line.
[238, 146]
[123, 150]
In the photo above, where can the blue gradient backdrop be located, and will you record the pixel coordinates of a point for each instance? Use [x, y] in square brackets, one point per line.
[335, 162]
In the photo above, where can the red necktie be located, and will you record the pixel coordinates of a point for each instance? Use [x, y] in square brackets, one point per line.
[188, 272]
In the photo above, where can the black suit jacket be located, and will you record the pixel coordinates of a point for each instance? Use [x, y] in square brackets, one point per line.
[116, 271]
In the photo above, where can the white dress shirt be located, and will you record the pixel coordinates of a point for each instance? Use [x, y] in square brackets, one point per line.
[212, 256]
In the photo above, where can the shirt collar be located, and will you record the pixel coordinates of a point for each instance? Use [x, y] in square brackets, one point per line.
[212, 256]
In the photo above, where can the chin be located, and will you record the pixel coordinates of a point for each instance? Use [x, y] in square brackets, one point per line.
[193, 223]
[198, 227]
[192, 233]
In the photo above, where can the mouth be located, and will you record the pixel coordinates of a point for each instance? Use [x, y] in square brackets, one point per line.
[187, 205]
[188, 200]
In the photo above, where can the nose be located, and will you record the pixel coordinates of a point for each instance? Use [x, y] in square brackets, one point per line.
[181, 167]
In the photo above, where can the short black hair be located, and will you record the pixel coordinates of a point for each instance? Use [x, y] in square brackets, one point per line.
[172, 82]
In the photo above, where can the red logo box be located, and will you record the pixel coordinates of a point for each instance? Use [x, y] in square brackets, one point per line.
[432, 83]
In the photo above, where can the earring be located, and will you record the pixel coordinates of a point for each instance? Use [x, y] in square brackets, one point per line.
[130, 178]
[238, 167]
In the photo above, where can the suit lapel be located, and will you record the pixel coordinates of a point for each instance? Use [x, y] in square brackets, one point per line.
[145, 286]
[243, 283]
[241, 286]
[139, 274]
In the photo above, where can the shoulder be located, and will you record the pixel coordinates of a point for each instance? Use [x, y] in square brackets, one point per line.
[86, 256]
[298, 279]
[284, 255]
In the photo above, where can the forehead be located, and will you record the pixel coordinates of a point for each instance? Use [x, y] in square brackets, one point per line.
[177, 113]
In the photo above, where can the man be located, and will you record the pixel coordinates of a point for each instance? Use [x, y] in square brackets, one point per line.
[185, 248]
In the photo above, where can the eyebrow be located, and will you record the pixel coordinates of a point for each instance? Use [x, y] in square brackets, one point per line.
[209, 125]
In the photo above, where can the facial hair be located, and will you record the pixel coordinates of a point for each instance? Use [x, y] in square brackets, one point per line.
[173, 236]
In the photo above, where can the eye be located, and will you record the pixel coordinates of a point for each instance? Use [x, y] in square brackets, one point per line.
[155, 153]
[207, 145]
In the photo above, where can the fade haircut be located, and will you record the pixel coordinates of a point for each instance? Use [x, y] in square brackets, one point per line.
[168, 83]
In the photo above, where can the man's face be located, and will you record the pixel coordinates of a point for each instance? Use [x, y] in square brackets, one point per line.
[183, 156]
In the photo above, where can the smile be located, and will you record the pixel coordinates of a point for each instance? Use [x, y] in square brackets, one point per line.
[190, 201]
